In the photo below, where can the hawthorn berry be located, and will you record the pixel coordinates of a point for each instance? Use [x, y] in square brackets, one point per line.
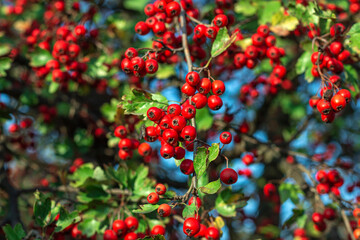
[198, 201]
[225, 137]
[228, 176]
[154, 113]
[199, 100]
[167, 151]
[164, 210]
[110, 235]
[119, 226]
[174, 110]
[188, 112]
[212, 233]
[160, 189]
[187, 167]
[214, 102]
[131, 236]
[144, 149]
[157, 230]
[248, 159]
[269, 190]
[191, 226]
[218, 87]
[153, 198]
[131, 223]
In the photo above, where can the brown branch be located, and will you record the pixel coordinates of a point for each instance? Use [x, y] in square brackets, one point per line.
[347, 224]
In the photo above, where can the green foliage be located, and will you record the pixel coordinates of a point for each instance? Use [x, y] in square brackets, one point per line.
[297, 214]
[304, 65]
[96, 67]
[227, 202]
[83, 140]
[39, 57]
[147, 208]
[108, 110]
[89, 226]
[5, 64]
[66, 219]
[17, 233]
[354, 37]
[266, 9]
[189, 210]
[42, 208]
[211, 188]
[222, 42]
[204, 119]
[137, 102]
[270, 230]
[290, 191]
[204, 156]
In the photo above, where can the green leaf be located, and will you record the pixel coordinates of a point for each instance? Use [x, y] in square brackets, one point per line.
[222, 42]
[93, 193]
[165, 71]
[99, 212]
[245, 8]
[108, 110]
[146, 208]
[223, 204]
[287, 22]
[5, 64]
[200, 161]
[304, 65]
[17, 233]
[189, 210]
[42, 208]
[96, 67]
[212, 187]
[354, 37]
[296, 214]
[84, 172]
[89, 227]
[53, 87]
[119, 175]
[204, 120]
[301, 221]
[83, 139]
[39, 57]
[266, 9]
[292, 191]
[214, 151]
[305, 14]
[63, 109]
[99, 174]
[5, 49]
[141, 174]
[157, 237]
[137, 102]
[66, 219]
[135, 5]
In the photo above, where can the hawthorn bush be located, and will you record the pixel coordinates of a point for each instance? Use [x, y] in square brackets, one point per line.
[179, 119]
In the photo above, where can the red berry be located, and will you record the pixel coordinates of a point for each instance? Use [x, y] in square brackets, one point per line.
[192, 78]
[188, 89]
[131, 236]
[174, 110]
[188, 133]
[322, 188]
[269, 190]
[346, 94]
[142, 28]
[119, 226]
[215, 102]
[178, 123]
[263, 30]
[149, 10]
[337, 29]
[179, 153]
[324, 107]
[131, 223]
[170, 136]
[153, 198]
[228, 176]
[336, 48]
[317, 217]
[164, 210]
[329, 214]
[198, 201]
[144, 149]
[160, 189]
[191, 226]
[248, 159]
[220, 20]
[218, 87]
[187, 167]
[167, 151]
[173, 9]
[157, 230]
[199, 100]
[225, 137]
[154, 113]
[188, 112]
[321, 176]
[212, 233]
[110, 235]
[338, 102]
[151, 66]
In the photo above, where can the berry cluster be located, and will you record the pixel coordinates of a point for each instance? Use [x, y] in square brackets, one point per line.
[193, 228]
[203, 86]
[76, 164]
[171, 129]
[331, 59]
[330, 180]
[127, 145]
[22, 134]
[319, 219]
[153, 198]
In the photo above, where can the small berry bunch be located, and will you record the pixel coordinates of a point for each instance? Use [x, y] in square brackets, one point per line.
[330, 180]
[331, 58]
[319, 219]
[172, 128]
[153, 198]
[204, 86]
[356, 214]
[21, 134]
[127, 145]
[193, 228]
[76, 164]
[123, 229]
[263, 46]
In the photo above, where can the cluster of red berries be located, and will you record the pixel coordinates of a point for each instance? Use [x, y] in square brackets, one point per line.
[153, 198]
[76, 164]
[263, 46]
[127, 145]
[319, 219]
[329, 181]
[170, 129]
[300, 234]
[22, 134]
[333, 98]
[193, 228]
[47, 113]
[203, 86]
[136, 65]
[356, 226]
